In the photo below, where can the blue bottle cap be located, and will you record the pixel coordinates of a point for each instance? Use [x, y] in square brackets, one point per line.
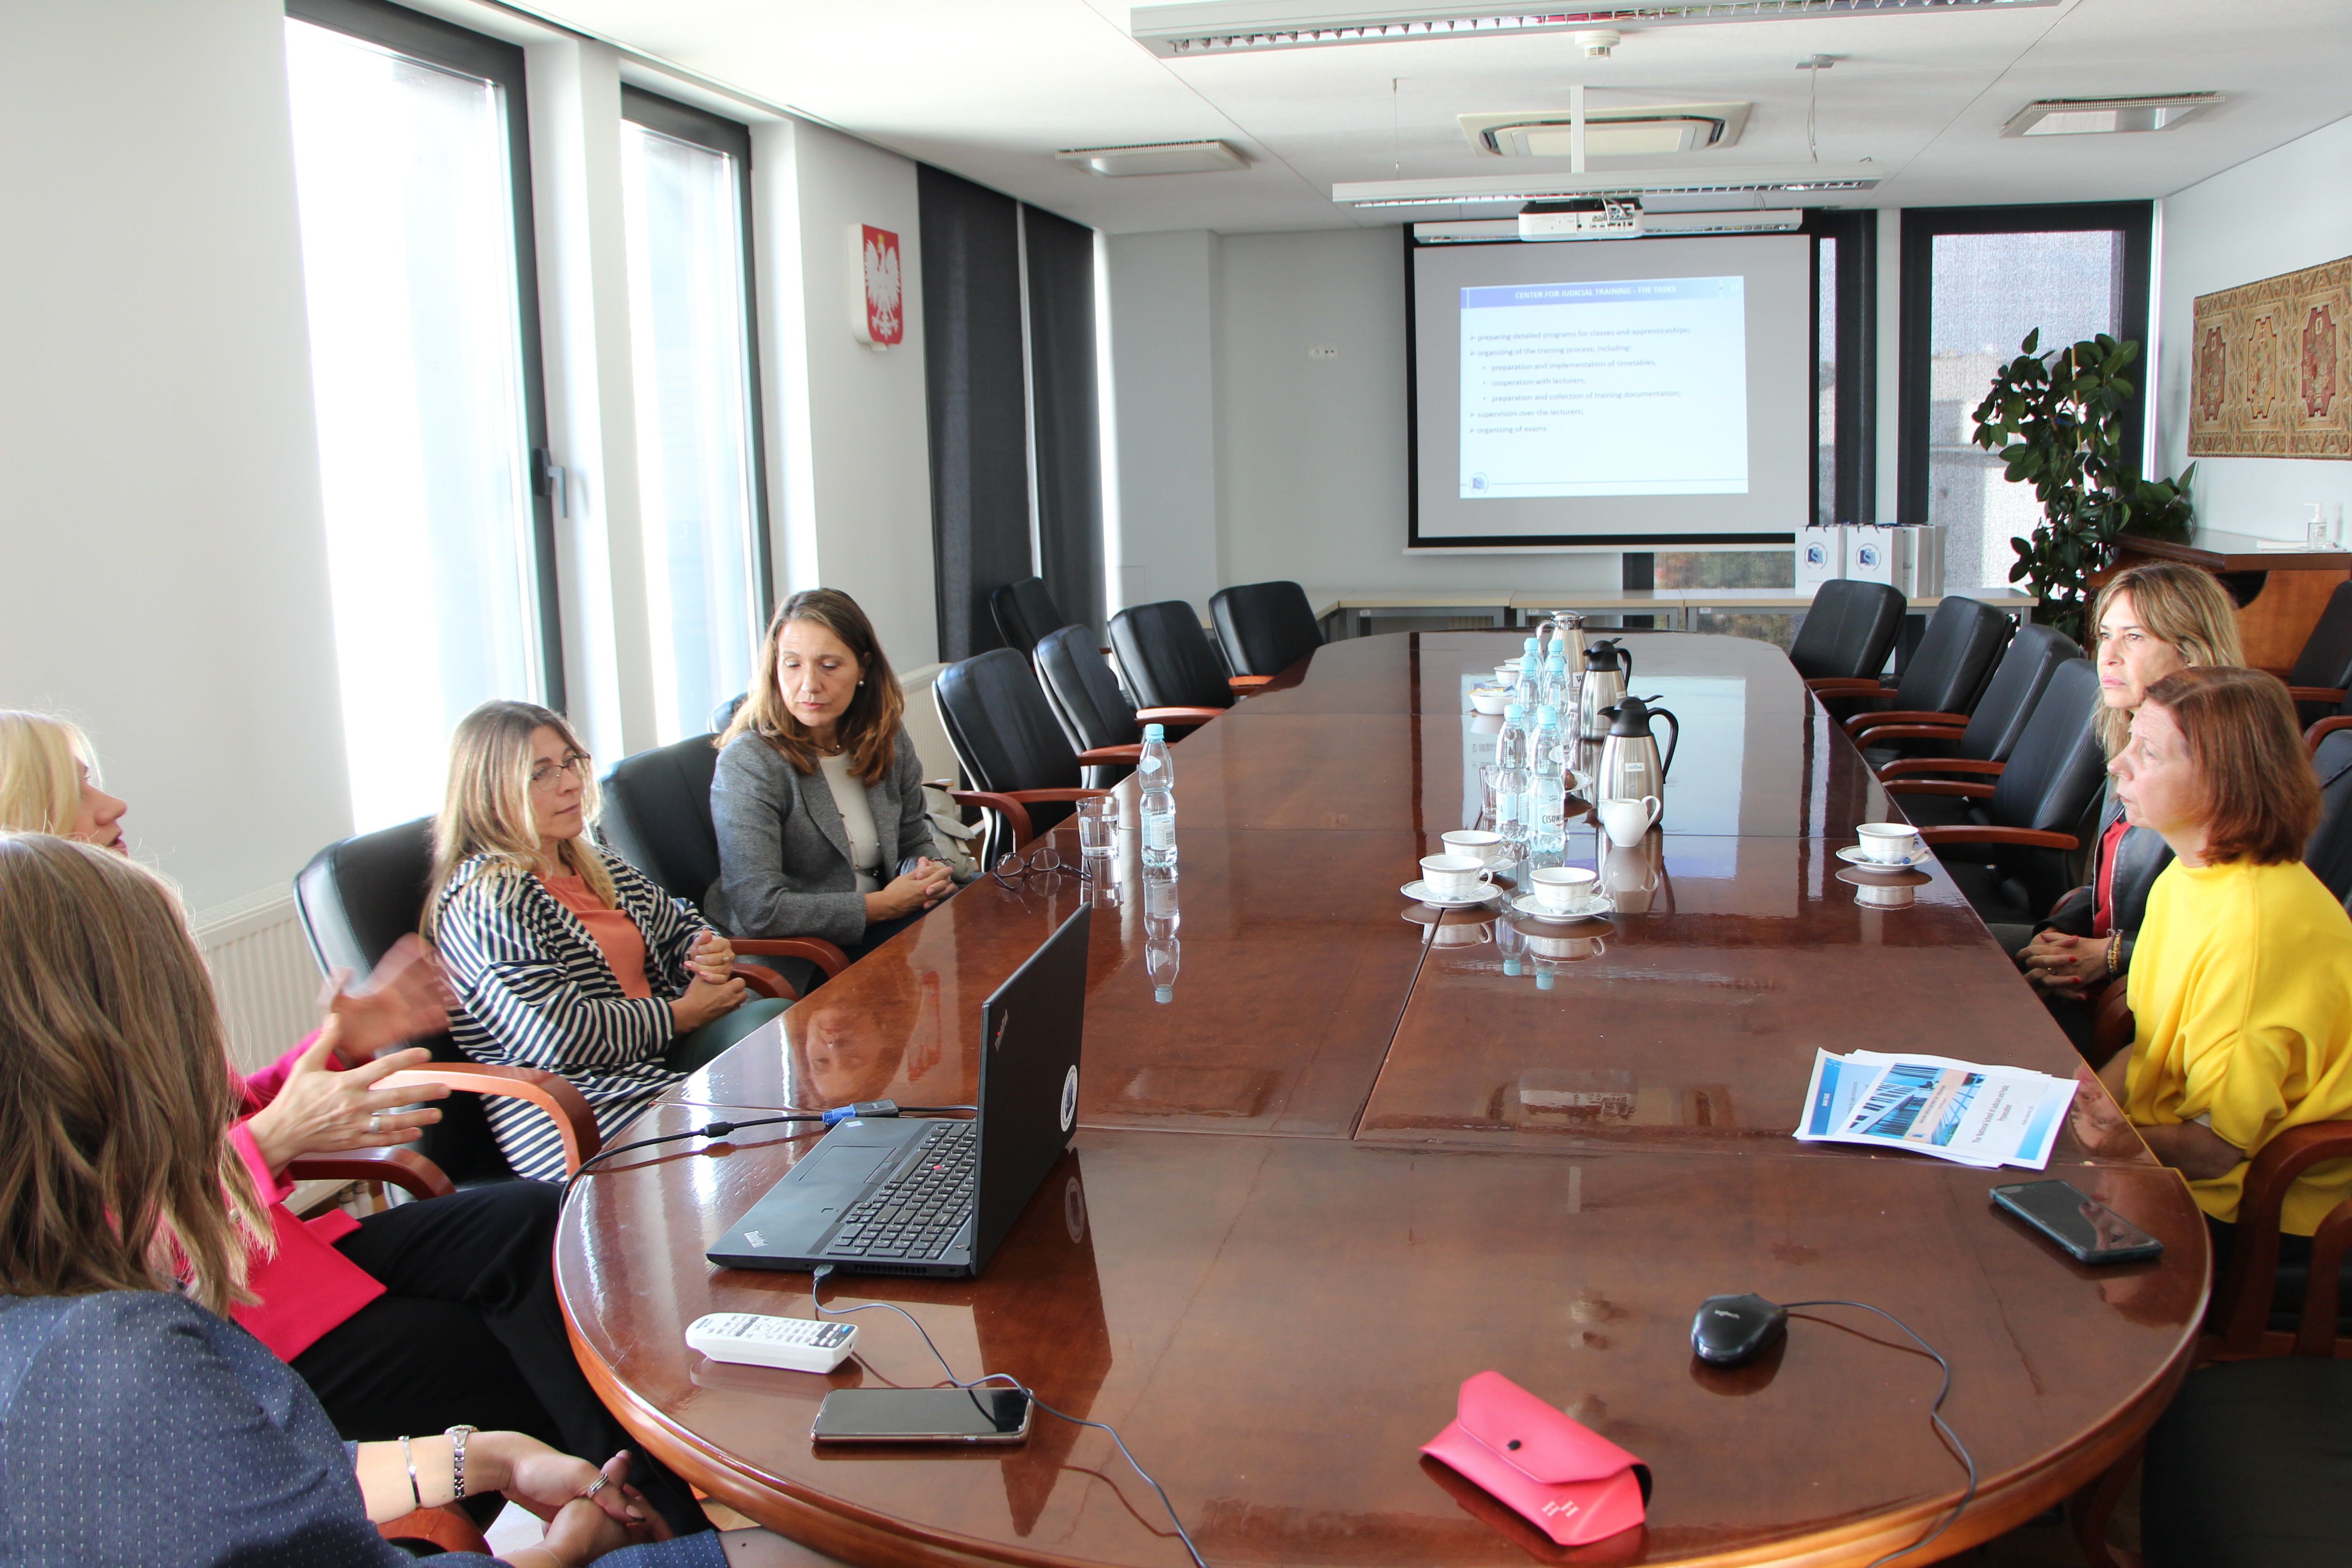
[1163, 994]
[1155, 731]
[1547, 714]
[1510, 966]
[1513, 713]
[1543, 979]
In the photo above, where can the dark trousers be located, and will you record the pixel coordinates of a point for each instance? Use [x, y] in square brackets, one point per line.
[697, 1048]
[469, 1330]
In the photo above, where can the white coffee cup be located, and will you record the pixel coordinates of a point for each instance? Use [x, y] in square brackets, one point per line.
[1568, 949]
[1871, 895]
[1486, 849]
[1560, 889]
[1455, 876]
[1888, 843]
[1627, 820]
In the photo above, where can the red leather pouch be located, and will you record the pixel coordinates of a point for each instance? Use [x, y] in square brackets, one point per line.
[1563, 1477]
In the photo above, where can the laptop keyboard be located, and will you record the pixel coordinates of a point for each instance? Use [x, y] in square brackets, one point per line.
[918, 1212]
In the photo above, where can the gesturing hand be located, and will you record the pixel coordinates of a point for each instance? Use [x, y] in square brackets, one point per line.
[320, 1110]
[405, 997]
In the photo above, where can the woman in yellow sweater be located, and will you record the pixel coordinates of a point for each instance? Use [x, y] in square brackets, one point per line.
[2242, 981]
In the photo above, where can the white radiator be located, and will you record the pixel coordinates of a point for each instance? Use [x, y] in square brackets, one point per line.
[263, 973]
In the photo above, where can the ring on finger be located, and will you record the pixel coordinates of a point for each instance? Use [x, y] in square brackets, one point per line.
[376, 1121]
[596, 1486]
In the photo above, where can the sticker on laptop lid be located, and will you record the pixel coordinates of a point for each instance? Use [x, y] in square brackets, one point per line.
[1070, 1100]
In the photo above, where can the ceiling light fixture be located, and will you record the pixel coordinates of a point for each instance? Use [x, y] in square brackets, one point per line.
[1155, 158]
[2092, 116]
[1198, 28]
[1815, 182]
[1650, 129]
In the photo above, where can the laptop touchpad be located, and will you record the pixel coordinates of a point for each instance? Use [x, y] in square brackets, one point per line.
[845, 1164]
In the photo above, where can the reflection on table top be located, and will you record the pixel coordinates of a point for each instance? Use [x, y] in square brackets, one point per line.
[1361, 1151]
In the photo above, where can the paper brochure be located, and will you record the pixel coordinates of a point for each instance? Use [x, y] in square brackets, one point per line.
[1961, 1111]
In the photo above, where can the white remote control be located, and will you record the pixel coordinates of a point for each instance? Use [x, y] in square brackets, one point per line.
[797, 1344]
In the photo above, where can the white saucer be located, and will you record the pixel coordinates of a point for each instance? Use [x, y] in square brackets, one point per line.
[1852, 855]
[1421, 890]
[1592, 909]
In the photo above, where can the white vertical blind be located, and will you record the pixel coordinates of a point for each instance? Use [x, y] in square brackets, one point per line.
[689, 342]
[407, 215]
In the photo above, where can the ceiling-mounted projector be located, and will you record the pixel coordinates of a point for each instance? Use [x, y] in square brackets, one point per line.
[1591, 217]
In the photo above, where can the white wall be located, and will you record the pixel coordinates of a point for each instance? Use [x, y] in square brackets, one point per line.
[165, 567]
[1240, 458]
[2288, 209]
[851, 425]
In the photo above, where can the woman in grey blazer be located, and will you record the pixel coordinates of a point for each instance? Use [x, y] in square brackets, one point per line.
[818, 799]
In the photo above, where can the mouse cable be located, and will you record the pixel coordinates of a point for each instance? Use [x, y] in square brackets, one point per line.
[877, 1110]
[816, 1286]
[1934, 1413]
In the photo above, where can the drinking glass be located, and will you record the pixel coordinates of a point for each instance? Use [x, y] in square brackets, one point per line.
[1097, 816]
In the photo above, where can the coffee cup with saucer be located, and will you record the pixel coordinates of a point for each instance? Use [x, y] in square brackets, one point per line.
[1563, 893]
[1453, 879]
[1884, 845]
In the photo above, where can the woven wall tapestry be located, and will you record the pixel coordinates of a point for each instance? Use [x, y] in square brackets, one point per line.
[2271, 371]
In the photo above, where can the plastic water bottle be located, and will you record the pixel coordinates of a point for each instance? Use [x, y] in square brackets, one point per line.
[1556, 687]
[1549, 806]
[1163, 915]
[1155, 774]
[1511, 775]
[1511, 743]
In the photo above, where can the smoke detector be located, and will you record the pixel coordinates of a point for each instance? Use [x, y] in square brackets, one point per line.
[1635, 132]
[1597, 42]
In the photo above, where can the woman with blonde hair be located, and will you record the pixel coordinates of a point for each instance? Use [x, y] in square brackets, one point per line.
[818, 797]
[560, 956]
[2153, 619]
[142, 1426]
[409, 1319]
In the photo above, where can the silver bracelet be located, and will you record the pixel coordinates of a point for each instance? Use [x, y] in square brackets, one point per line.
[457, 1435]
[410, 1460]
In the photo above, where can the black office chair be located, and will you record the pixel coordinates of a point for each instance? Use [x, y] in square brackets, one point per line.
[1986, 736]
[1093, 711]
[2323, 670]
[1024, 612]
[2013, 850]
[356, 899]
[1847, 633]
[1169, 660]
[724, 714]
[1013, 748]
[2328, 852]
[1943, 677]
[657, 816]
[1264, 627]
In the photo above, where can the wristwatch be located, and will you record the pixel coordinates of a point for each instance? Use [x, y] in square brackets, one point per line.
[457, 1435]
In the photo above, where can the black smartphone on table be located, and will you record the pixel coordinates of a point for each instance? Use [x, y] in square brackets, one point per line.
[2089, 1230]
[923, 1416]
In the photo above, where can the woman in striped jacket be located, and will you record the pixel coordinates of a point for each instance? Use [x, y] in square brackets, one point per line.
[563, 957]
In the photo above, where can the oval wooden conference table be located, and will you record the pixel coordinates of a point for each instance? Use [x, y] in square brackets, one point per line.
[1359, 1156]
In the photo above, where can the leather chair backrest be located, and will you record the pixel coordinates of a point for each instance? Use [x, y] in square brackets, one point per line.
[1003, 733]
[2326, 655]
[1848, 631]
[1264, 627]
[1167, 659]
[2018, 682]
[2058, 766]
[356, 899]
[724, 714]
[1946, 672]
[1086, 699]
[2329, 852]
[1024, 612]
[656, 816]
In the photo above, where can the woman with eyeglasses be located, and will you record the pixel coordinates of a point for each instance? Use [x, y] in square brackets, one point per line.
[560, 956]
[818, 797]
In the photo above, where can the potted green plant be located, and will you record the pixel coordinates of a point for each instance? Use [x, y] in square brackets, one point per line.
[2057, 421]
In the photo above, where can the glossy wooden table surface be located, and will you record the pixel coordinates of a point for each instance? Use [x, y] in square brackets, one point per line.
[1363, 1152]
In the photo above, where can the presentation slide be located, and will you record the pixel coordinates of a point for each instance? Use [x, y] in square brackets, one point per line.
[1611, 391]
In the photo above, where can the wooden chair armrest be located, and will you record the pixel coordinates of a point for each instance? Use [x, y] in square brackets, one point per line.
[1914, 767]
[762, 981]
[2317, 693]
[817, 949]
[1846, 686]
[1246, 683]
[1110, 754]
[1879, 733]
[575, 1123]
[393, 1164]
[1939, 786]
[1861, 722]
[2315, 1334]
[2243, 1293]
[2325, 728]
[1177, 715]
[446, 1527]
[2032, 838]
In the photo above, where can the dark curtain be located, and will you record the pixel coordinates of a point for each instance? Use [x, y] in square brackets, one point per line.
[1062, 390]
[972, 354]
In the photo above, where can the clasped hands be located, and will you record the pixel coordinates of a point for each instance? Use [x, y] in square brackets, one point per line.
[912, 891]
[2063, 965]
[711, 989]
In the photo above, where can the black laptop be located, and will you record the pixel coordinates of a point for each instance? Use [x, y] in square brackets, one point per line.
[927, 1195]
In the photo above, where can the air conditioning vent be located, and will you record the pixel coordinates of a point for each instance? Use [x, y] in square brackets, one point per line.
[1628, 133]
[1156, 158]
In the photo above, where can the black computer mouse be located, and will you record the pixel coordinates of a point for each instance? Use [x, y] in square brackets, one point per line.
[1730, 1330]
